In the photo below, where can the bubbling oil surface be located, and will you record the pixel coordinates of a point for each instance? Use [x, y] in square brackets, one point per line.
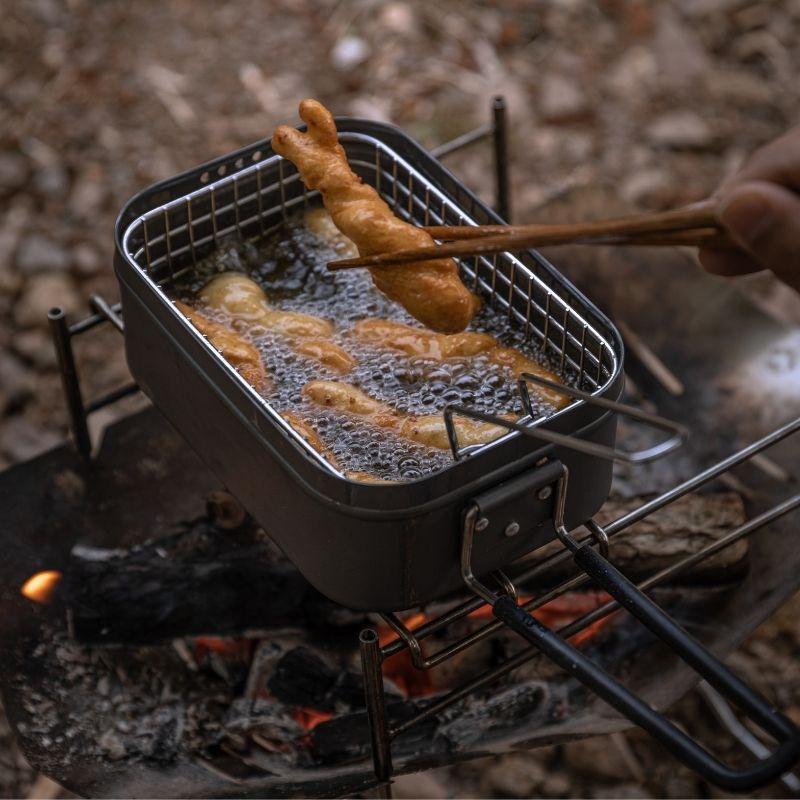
[289, 264]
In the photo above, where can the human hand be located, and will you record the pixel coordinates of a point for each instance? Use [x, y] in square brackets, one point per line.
[759, 207]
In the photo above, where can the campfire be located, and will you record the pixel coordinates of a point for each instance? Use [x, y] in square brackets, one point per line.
[161, 643]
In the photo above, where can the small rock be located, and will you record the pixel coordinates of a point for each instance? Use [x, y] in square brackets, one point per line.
[16, 381]
[556, 784]
[515, 776]
[621, 791]
[647, 186]
[39, 253]
[21, 440]
[85, 260]
[51, 181]
[633, 73]
[36, 347]
[740, 87]
[43, 292]
[595, 759]
[419, 784]
[399, 18]
[112, 745]
[680, 54]
[13, 171]
[562, 99]
[680, 130]
[88, 191]
[349, 52]
[103, 686]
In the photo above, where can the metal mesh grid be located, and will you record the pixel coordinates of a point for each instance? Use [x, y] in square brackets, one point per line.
[171, 238]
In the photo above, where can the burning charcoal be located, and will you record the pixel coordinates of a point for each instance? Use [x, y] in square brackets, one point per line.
[473, 720]
[302, 678]
[272, 719]
[346, 737]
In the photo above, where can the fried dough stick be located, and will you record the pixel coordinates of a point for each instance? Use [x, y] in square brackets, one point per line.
[427, 430]
[320, 223]
[240, 354]
[245, 302]
[430, 291]
[313, 440]
[440, 347]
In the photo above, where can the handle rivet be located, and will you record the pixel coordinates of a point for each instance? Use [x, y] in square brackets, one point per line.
[482, 524]
[512, 529]
[545, 493]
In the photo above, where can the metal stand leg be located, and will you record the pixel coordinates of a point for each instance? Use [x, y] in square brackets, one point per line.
[376, 710]
[62, 338]
[500, 138]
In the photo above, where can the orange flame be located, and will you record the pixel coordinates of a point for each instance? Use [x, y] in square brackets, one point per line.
[42, 586]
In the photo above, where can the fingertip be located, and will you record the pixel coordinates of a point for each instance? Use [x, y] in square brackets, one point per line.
[726, 263]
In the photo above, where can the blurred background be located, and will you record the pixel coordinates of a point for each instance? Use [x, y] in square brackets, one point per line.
[614, 105]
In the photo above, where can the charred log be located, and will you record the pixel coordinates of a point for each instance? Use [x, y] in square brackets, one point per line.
[675, 532]
[302, 677]
[199, 581]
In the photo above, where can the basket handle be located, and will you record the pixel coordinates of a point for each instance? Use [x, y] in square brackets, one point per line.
[682, 746]
[678, 433]
[689, 650]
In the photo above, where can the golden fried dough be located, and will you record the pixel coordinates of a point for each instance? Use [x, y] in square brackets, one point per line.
[428, 430]
[242, 299]
[327, 353]
[440, 346]
[309, 434]
[241, 354]
[422, 343]
[313, 439]
[431, 291]
[320, 223]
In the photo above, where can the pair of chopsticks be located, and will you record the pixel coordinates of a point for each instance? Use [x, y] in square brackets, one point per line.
[691, 226]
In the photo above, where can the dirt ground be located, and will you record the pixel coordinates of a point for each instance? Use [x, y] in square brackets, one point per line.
[658, 100]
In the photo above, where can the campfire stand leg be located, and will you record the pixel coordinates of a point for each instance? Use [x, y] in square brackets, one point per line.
[62, 339]
[500, 141]
[371, 664]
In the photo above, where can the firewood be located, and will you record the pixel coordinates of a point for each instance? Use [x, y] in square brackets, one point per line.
[200, 581]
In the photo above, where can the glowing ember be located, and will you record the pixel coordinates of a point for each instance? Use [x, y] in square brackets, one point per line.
[562, 611]
[309, 718]
[231, 647]
[556, 614]
[41, 586]
[399, 668]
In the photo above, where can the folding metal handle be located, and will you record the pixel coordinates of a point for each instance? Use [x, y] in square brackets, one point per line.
[683, 747]
[679, 433]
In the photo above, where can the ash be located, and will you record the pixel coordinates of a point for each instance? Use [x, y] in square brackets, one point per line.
[140, 703]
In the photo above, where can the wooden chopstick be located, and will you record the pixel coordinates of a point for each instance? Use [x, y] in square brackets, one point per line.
[691, 226]
[697, 215]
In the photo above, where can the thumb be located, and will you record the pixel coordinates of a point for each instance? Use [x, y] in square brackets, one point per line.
[764, 219]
